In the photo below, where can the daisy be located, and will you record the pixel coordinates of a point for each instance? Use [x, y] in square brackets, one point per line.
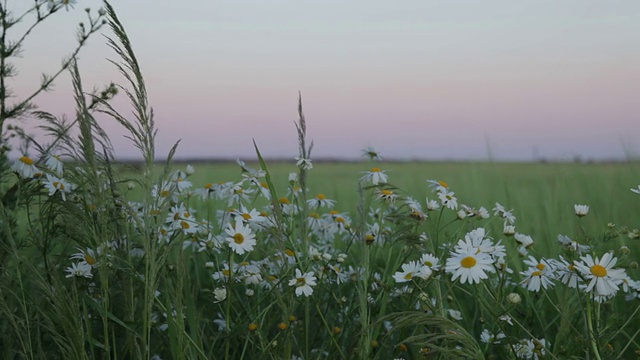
[54, 164]
[252, 216]
[387, 195]
[581, 210]
[375, 176]
[534, 279]
[86, 257]
[469, 267]
[567, 273]
[432, 205]
[371, 153]
[80, 269]
[637, 190]
[25, 167]
[303, 283]
[220, 294]
[240, 238]
[411, 270]
[486, 337]
[573, 245]
[430, 261]
[525, 240]
[508, 217]
[448, 199]
[600, 274]
[455, 314]
[54, 184]
[438, 186]
[319, 201]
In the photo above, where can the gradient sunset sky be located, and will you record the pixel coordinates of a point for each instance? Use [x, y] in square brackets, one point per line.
[415, 79]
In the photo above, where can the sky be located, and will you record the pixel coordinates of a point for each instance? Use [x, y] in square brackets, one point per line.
[416, 79]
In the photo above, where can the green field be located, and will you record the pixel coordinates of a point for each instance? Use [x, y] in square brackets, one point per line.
[541, 194]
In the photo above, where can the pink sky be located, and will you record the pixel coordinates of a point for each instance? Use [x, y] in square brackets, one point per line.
[429, 80]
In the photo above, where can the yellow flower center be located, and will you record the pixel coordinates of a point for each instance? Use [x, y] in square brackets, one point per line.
[226, 272]
[284, 201]
[320, 197]
[289, 252]
[443, 184]
[253, 327]
[301, 281]
[238, 191]
[26, 160]
[185, 225]
[571, 267]
[536, 273]
[598, 270]
[264, 185]
[428, 263]
[333, 212]
[409, 276]
[540, 266]
[468, 262]
[246, 216]
[340, 219]
[387, 192]
[165, 193]
[314, 215]
[58, 185]
[238, 238]
[376, 169]
[282, 326]
[208, 186]
[89, 259]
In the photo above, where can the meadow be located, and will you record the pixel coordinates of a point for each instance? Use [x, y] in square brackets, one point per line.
[302, 259]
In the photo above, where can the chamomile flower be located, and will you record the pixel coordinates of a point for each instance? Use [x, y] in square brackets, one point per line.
[320, 201]
[54, 164]
[80, 269]
[581, 210]
[573, 245]
[487, 337]
[371, 153]
[430, 261]
[240, 238]
[249, 216]
[469, 267]
[567, 273]
[525, 240]
[56, 185]
[636, 190]
[25, 167]
[220, 294]
[509, 218]
[603, 280]
[534, 279]
[411, 270]
[375, 176]
[87, 256]
[438, 185]
[432, 205]
[303, 282]
[387, 195]
[448, 199]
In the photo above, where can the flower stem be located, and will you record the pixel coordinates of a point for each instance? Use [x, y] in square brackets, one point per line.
[592, 338]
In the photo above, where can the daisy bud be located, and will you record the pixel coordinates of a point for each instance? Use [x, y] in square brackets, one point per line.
[514, 298]
[190, 170]
[624, 250]
[633, 265]
[220, 294]
[461, 215]
[131, 185]
[326, 256]
[581, 210]
[249, 292]
[509, 230]
[423, 297]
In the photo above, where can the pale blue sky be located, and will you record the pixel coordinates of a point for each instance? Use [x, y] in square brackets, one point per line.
[416, 79]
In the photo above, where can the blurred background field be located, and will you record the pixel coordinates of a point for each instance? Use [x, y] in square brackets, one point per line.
[541, 194]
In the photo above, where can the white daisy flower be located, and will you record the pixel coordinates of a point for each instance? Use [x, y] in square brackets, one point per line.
[535, 279]
[375, 176]
[581, 210]
[455, 314]
[57, 185]
[525, 240]
[220, 294]
[303, 283]
[432, 205]
[25, 167]
[410, 270]
[54, 164]
[319, 201]
[430, 261]
[573, 245]
[240, 238]
[448, 199]
[80, 269]
[637, 190]
[469, 267]
[567, 273]
[508, 217]
[602, 278]
[438, 186]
